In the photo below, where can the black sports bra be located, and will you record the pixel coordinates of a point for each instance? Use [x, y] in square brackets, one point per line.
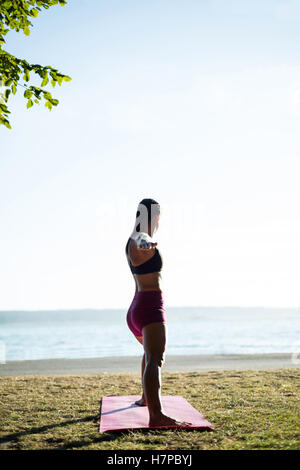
[152, 265]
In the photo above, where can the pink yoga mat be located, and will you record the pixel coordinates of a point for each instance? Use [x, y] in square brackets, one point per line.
[119, 413]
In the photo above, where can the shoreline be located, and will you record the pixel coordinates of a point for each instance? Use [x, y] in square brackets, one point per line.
[132, 364]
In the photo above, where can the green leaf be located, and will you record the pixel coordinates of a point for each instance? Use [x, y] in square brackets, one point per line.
[66, 78]
[6, 94]
[27, 93]
[26, 31]
[14, 89]
[53, 74]
[34, 12]
[26, 76]
[47, 95]
[29, 103]
[7, 4]
[45, 81]
[53, 82]
[48, 105]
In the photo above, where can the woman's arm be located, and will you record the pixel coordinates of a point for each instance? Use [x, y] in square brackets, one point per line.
[140, 254]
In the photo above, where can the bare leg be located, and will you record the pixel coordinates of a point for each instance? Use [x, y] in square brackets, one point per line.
[154, 336]
[142, 401]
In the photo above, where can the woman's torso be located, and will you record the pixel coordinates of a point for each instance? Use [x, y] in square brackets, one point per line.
[148, 281]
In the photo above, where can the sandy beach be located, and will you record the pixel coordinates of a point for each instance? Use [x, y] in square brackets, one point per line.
[127, 364]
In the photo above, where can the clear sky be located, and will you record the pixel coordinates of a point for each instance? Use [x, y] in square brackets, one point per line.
[193, 103]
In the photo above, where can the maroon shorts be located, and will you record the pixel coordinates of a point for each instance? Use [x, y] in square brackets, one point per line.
[146, 307]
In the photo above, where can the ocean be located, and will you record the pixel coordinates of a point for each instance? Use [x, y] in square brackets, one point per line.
[28, 335]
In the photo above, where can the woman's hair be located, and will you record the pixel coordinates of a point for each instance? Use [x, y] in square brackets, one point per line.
[153, 209]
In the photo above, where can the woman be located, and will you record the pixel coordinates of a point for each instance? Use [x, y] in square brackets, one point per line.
[146, 315]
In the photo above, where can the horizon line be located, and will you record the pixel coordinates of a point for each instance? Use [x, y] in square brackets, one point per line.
[168, 306]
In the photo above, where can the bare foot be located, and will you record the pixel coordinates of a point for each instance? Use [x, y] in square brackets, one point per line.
[163, 420]
[141, 402]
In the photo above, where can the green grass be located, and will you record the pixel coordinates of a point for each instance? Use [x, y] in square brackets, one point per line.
[249, 410]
